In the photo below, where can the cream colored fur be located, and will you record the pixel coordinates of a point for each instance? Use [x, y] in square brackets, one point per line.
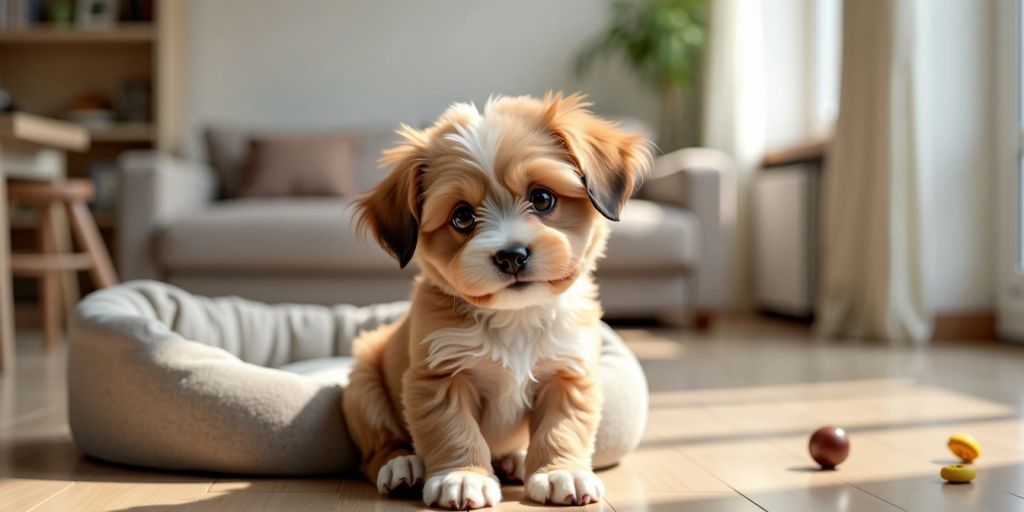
[520, 341]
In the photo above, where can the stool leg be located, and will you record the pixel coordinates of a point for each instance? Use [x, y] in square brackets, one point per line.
[70, 292]
[88, 236]
[49, 284]
[6, 294]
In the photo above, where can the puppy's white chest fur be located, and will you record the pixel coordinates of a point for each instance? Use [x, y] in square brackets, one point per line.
[507, 351]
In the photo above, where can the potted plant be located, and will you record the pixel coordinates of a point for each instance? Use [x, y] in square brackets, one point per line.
[663, 42]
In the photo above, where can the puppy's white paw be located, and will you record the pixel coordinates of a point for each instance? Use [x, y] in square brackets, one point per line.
[461, 490]
[563, 487]
[512, 467]
[404, 471]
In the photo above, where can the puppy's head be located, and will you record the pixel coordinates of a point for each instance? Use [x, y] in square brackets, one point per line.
[505, 208]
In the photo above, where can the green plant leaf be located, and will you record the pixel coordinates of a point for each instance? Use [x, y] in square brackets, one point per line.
[661, 40]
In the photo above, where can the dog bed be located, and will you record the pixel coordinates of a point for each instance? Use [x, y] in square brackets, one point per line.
[161, 378]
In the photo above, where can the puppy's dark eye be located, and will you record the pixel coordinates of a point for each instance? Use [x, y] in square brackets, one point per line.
[463, 218]
[543, 200]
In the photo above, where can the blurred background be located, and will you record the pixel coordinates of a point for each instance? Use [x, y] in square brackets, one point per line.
[852, 167]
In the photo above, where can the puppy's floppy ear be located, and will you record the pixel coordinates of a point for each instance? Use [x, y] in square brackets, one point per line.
[391, 210]
[611, 161]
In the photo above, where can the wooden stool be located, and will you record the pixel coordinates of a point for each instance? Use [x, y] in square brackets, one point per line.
[46, 197]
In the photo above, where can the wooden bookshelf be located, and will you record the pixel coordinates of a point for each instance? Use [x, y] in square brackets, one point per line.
[45, 68]
[51, 34]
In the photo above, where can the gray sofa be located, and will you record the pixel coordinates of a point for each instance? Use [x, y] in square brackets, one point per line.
[665, 258]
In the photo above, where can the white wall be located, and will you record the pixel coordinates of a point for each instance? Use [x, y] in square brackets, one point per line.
[956, 45]
[344, 63]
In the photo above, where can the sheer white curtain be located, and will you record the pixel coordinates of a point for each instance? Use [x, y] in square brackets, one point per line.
[872, 285]
[734, 118]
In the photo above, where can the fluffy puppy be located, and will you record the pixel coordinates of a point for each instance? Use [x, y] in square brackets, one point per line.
[493, 368]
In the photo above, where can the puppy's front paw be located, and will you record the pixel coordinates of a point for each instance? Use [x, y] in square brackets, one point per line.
[512, 467]
[461, 490]
[402, 473]
[564, 487]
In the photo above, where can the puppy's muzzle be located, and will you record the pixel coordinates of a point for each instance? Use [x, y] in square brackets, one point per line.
[512, 259]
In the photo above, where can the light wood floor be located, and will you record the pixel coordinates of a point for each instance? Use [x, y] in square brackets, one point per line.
[729, 421]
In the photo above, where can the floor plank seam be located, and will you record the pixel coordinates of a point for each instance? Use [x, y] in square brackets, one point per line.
[720, 479]
[52, 496]
[869, 493]
[29, 416]
[195, 503]
[1014, 494]
[605, 499]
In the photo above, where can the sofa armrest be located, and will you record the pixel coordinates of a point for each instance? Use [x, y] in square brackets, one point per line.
[701, 180]
[155, 188]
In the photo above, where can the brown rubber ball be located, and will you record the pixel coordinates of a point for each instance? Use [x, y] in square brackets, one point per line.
[829, 446]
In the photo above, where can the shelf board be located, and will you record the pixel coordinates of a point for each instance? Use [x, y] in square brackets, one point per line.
[122, 132]
[43, 131]
[123, 33]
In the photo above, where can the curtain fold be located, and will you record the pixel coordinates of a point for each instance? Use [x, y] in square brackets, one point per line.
[872, 283]
[734, 121]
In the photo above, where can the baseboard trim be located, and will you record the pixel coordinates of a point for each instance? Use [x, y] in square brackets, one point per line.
[965, 326]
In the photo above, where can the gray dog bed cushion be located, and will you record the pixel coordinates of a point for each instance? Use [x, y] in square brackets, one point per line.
[161, 378]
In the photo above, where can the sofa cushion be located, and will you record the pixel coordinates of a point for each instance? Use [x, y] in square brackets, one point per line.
[293, 236]
[306, 165]
[652, 238]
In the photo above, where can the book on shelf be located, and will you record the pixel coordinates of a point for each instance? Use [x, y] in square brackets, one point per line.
[20, 14]
[24, 14]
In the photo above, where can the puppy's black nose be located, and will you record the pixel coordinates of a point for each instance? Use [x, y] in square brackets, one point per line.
[512, 259]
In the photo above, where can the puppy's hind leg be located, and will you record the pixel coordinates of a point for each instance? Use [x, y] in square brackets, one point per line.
[511, 467]
[508, 450]
[385, 447]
